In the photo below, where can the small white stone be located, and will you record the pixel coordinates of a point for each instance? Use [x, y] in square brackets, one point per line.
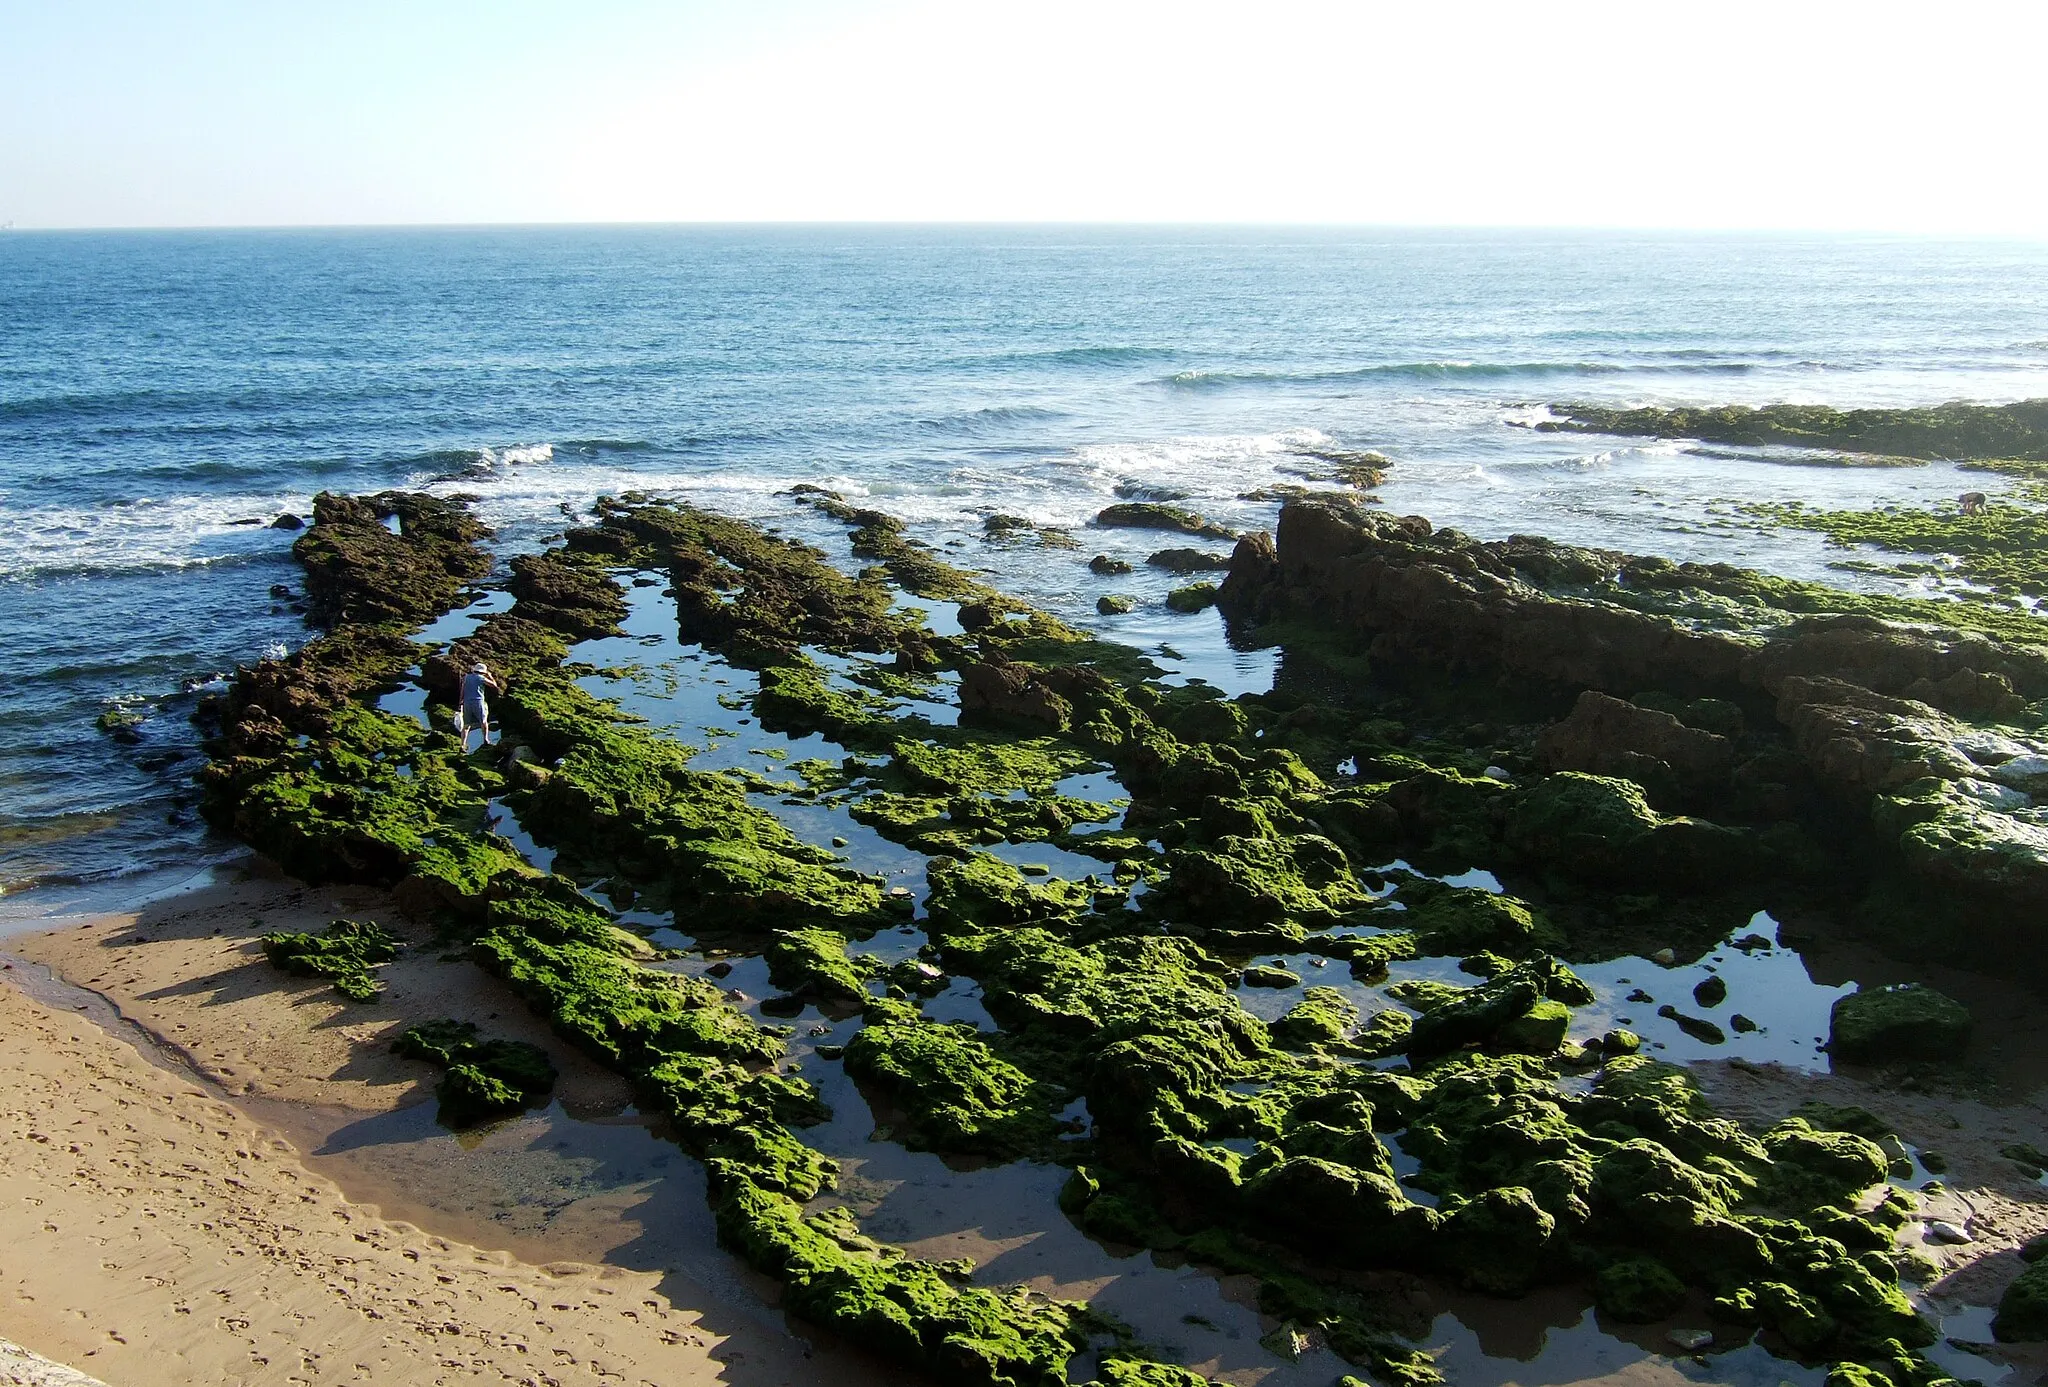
[1942, 1231]
[2029, 773]
[1667, 957]
[1496, 773]
[1691, 1340]
[1988, 748]
[2000, 797]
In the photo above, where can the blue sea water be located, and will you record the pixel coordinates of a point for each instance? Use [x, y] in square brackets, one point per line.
[156, 388]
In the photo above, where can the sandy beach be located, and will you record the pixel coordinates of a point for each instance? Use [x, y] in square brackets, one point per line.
[157, 1233]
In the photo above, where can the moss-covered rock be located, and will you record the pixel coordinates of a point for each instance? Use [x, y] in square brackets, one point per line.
[956, 1092]
[485, 1078]
[2023, 1309]
[344, 953]
[1909, 1021]
[1155, 515]
[1639, 1290]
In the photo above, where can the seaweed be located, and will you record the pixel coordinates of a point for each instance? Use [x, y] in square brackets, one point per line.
[485, 1078]
[343, 953]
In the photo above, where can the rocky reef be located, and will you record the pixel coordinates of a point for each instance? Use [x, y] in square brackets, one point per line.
[1639, 742]
[1957, 430]
[1721, 720]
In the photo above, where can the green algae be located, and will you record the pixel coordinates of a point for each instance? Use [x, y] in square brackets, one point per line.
[1909, 1021]
[957, 1093]
[2000, 547]
[343, 953]
[1638, 1290]
[485, 1078]
[813, 963]
[2023, 1309]
[1323, 1016]
[1195, 597]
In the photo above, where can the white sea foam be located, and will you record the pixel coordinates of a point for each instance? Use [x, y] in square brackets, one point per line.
[148, 534]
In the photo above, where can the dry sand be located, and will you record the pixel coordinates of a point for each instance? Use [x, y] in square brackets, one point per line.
[154, 1233]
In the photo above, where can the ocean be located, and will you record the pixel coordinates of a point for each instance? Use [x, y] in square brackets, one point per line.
[160, 389]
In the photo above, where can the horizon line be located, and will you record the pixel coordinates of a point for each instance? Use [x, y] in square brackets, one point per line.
[1191, 224]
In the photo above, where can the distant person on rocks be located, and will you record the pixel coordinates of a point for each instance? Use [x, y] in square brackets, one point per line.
[475, 712]
[1972, 502]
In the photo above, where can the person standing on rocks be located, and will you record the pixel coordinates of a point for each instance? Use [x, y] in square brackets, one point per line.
[474, 710]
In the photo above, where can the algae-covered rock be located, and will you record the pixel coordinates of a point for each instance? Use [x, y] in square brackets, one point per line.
[1139, 1372]
[958, 1095]
[1185, 561]
[1345, 1215]
[1157, 515]
[1464, 920]
[1602, 829]
[485, 1078]
[1115, 604]
[122, 723]
[343, 953]
[1953, 430]
[1813, 1167]
[1607, 736]
[2023, 1309]
[1497, 1242]
[1908, 1021]
[1511, 1012]
[1195, 597]
[1952, 838]
[1324, 1016]
[359, 571]
[814, 963]
[1639, 1290]
[1537, 1031]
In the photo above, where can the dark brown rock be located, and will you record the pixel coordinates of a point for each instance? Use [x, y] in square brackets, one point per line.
[1012, 691]
[1607, 736]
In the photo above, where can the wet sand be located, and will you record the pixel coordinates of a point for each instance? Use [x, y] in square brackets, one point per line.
[189, 970]
[164, 1228]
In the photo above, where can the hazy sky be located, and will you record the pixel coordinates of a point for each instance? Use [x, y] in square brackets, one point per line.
[1868, 116]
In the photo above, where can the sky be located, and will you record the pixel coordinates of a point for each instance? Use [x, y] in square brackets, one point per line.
[1872, 116]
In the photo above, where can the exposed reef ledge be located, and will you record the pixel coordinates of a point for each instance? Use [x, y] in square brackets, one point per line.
[1928, 734]
[1955, 430]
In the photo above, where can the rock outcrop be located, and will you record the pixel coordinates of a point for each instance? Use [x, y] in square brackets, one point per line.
[1880, 706]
